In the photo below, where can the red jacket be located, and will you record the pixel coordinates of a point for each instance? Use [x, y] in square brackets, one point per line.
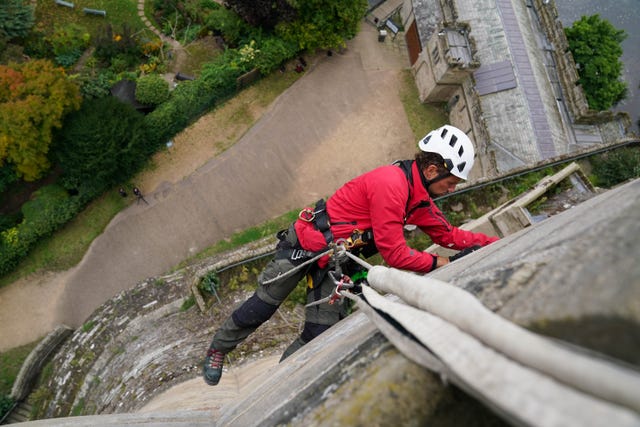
[378, 200]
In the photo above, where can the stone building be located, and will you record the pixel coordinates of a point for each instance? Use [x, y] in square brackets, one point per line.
[503, 70]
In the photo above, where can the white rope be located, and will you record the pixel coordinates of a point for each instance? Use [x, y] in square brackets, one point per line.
[519, 394]
[599, 378]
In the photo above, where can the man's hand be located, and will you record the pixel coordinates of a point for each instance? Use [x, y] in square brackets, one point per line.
[464, 252]
[442, 261]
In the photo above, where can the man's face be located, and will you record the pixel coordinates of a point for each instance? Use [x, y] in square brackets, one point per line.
[443, 186]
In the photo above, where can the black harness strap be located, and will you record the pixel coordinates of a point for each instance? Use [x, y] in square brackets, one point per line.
[406, 167]
[321, 220]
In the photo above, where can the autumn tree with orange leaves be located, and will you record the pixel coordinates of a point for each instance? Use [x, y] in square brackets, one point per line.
[34, 97]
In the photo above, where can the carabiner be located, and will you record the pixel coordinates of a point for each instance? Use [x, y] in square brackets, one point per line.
[307, 215]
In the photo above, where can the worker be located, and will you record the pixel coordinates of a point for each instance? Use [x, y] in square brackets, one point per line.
[371, 210]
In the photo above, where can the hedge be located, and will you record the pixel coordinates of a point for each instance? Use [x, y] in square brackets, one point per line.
[187, 102]
[50, 209]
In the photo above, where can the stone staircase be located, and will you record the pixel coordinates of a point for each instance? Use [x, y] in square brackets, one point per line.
[19, 414]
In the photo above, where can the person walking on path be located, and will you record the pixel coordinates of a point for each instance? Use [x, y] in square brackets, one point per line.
[139, 196]
[371, 209]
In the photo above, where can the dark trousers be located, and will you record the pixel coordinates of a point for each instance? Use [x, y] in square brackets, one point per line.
[265, 301]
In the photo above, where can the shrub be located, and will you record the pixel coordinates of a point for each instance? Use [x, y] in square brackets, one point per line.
[265, 13]
[119, 64]
[182, 19]
[95, 145]
[228, 24]
[36, 44]
[318, 26]
[9, 221]
[210, 282]
[111, 43]
[96, 85]
[6, 403]
[191, 98]
[152, 89]
[617, 166]
[16, 18]
[7, 177]
[10, 52]
[50, 208]
[66, 60]
[220, 74]
[68, 42]
[273, 52]
[43, 202]
[163, 124]
[216, 82]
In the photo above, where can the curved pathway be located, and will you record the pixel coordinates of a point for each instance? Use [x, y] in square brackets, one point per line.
[178, 50]
[343, 117]
[174, 43]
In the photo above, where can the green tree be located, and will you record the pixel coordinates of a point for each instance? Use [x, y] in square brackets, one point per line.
[596, 47]
[227, 23]
[263, 13]
[152, 89]
[323, 24]
[97, 147]
[34, 97]
[272, 52]
[16, 18]
[614, 167]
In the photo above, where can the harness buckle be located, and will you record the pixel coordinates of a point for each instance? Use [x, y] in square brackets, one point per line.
[307, 215]
[356, 240]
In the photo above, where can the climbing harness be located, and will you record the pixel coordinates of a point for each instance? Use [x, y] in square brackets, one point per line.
[320, 219]
[345, 286]
[298, 267]
[358, 239]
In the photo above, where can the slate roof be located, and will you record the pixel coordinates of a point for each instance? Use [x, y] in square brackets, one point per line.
[495, 77]
[517, 101]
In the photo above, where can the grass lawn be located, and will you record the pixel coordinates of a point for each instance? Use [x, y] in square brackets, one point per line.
[10, 364]
[423, 118]
[65, 248]
[119, 12]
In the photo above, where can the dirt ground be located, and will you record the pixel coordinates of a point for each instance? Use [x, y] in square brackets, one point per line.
[194, 146]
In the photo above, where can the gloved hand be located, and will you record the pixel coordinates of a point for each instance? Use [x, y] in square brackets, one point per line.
[464, 252]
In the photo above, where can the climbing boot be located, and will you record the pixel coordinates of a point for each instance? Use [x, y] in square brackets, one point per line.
[212, 367]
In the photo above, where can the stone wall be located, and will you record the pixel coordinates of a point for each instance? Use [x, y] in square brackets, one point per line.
[38, 357]
[145, 340]
[574, 96]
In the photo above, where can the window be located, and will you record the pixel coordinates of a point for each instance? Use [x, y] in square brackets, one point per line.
[435, 54]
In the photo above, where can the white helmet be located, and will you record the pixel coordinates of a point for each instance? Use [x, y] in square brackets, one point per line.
[454, 146]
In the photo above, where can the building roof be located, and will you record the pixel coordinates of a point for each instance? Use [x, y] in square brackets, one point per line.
[518, 104]
[496, 77]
